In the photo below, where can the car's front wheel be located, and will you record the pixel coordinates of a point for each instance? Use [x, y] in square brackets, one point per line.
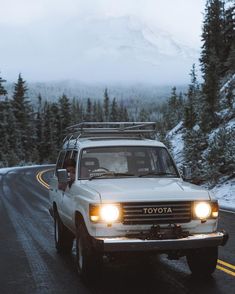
[202, 262]
[63, 237]
[88, 260]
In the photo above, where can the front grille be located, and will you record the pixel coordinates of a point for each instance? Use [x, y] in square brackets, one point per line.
[156, 212]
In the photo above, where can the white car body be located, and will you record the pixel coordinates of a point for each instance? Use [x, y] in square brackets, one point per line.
[146, 190]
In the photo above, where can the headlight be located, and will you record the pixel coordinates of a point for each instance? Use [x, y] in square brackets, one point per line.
[202, 210]
[108, 213]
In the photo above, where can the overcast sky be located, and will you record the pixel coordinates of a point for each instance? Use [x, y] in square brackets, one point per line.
[37, 37]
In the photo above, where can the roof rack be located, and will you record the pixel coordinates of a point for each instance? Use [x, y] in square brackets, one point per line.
[110, 130]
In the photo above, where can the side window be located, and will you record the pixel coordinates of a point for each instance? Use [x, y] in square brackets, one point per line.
[167, 162]
[60, 160]
[74, 155]
[67, 156]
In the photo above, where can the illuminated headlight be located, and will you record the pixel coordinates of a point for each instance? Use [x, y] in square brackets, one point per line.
[202, 210]
[108, 213]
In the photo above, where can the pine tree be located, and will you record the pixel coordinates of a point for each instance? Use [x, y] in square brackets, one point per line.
[230, 99]
[174, 111]
[220, 157]
[50, 138]
[212, 60]
[114, 111]
[191, 109]
[106, 105]
[100, 115]
[95, 114]
[24, 116]
[76, 112]
[195, 141]
[143, 115]
[229, 40]
[123, 113]
[14, 153]
[65, 113]
[39, 129]
[3, 91]
[89, 110]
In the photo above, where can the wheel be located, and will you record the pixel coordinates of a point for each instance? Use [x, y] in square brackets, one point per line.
[63, 237]
[202, 262]
[88, 260]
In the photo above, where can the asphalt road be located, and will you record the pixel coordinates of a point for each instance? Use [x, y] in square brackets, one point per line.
[29, 262]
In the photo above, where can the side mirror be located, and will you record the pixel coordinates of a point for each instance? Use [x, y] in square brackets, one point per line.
[62, 175]
[187, 173]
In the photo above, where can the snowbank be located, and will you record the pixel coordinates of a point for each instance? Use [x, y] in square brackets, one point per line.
[225, 193]
[176, 139]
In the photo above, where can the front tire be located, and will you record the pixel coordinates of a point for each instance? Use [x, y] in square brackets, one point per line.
[63, 237]
[202, 262]
[88, 260]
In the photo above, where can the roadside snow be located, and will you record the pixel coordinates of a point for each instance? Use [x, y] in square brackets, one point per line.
[225, 193]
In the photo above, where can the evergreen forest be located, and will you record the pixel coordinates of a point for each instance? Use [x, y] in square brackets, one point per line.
[30, 134]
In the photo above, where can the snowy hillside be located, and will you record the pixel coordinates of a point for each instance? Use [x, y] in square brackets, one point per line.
[224, 190]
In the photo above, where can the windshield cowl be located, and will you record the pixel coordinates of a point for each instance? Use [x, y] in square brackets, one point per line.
[110, 174]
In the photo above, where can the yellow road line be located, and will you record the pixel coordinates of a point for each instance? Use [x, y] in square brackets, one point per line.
[225, 270]
[226, 264]
[40, 179]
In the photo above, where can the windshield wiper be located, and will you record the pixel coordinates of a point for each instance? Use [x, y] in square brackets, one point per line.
[157, 174]
[111, 174]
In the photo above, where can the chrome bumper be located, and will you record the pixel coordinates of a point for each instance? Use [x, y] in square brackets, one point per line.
[191, 242]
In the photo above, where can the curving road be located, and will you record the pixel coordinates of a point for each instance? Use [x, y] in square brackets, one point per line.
[30, 264]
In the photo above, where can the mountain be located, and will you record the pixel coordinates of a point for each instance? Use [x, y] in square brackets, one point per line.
[111, 49]
[127, 50]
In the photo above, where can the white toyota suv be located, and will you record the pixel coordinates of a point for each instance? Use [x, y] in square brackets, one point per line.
[116, 191]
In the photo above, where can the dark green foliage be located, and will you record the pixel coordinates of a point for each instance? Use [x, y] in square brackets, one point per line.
[89, 116]
[229, 40]
[99, 114]
[114, 111]
[3, 91]
[217, 57]
[191, 107]
[194, 139]
[106, 105]
[65, 113]
[174, 111]
[25, 122]
[221, 154]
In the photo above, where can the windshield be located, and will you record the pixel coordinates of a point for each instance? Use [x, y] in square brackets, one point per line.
[126, 161]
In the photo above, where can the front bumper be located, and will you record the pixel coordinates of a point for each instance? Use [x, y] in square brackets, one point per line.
[124, 244]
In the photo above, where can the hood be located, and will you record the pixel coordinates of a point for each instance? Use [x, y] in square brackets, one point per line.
[146, 189]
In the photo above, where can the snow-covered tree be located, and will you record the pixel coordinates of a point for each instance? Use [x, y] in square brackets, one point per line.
[220, 157]
[106, 105]
[24, 118]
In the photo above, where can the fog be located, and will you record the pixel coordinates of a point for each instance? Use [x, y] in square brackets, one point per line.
[149, 41]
